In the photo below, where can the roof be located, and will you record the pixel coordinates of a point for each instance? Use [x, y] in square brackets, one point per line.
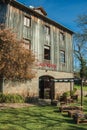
[66, 79]
[41, 9]
[35, 13]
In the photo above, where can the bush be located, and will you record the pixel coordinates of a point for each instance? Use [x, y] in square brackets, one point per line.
[11, 98]
[31, 99]
[2, 98]
[66, 94]
[73, 91]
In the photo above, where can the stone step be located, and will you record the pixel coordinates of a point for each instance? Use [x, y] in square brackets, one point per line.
[44, 102]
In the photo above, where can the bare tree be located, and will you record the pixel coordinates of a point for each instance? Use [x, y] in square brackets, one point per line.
[16, 62]
[80, 45]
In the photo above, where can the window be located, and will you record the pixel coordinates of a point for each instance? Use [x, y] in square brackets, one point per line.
[47, 52]
[47, 30]
[27, 44]
[47, 35]
[27, 29]
[62, 38]
[62, 56]
[27, 21]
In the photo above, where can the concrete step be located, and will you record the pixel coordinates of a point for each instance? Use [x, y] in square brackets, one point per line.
[44, 102]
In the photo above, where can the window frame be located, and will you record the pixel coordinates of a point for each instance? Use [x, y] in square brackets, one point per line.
[47, 51]
[62, 38]
[62, 56]
[26, 27]
[47, 30]
[27, 42]
[27, 21]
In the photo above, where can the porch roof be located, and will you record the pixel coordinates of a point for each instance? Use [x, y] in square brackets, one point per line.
[66, 79]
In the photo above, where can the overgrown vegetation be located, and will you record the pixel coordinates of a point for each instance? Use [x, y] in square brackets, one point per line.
[16, 98]
[16, 61]
[67, 94]
[11, 98]
[29, 99]
[79, 87]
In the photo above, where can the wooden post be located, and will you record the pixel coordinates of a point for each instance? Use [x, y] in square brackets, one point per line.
[81, 92]
[70, 88]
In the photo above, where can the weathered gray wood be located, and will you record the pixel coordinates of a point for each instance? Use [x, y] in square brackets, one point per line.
[14, 18]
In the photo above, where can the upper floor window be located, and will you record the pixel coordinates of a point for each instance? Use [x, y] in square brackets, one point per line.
[47, 52]
[47, 35]
[27, 21]
[47, 30]
[62, 56]
[27, 44]
[26, 28]
[62, 38]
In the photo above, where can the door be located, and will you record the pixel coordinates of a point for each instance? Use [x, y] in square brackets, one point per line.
[46, 87]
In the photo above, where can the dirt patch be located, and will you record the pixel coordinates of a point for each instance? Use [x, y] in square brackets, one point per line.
[14, 105]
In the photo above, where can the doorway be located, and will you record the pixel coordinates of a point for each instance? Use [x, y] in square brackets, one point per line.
[46, 87]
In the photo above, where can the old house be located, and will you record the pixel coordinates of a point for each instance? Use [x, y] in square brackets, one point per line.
[50, 41]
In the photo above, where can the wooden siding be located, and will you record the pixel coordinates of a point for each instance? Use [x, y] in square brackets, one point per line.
[56, 50]
[15, 20]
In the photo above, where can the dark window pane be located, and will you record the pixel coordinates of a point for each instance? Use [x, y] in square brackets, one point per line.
[47, 53]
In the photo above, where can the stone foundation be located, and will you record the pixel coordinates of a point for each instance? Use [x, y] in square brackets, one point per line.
[31, 88]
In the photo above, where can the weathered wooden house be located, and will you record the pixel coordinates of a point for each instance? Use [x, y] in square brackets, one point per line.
[50, 41]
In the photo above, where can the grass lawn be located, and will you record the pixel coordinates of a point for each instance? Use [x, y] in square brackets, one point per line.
[79, 87]
[38, 118]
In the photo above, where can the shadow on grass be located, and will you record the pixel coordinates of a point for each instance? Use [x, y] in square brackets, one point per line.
[73, 125]
[36, 118]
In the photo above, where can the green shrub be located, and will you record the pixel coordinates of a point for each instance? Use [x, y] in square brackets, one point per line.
[73, 91]
[11, 98]
[2, 98]
[66, 94]
[31, 99]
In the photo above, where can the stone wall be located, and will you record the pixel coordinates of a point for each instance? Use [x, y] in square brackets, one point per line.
[22, 88]
[31, 88]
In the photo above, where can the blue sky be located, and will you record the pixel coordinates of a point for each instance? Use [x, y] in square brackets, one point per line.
[64, 12]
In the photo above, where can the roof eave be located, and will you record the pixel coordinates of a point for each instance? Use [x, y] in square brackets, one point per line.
[41, 16]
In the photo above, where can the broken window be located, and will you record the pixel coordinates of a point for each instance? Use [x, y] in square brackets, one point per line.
[47, 52]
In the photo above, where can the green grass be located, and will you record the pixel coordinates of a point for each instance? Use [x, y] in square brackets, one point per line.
[79, 87]
[38, 118]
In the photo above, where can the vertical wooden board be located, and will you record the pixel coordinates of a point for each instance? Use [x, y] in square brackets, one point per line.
[41, 42]
[56, 50]
[34, 36]
[69, 51]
